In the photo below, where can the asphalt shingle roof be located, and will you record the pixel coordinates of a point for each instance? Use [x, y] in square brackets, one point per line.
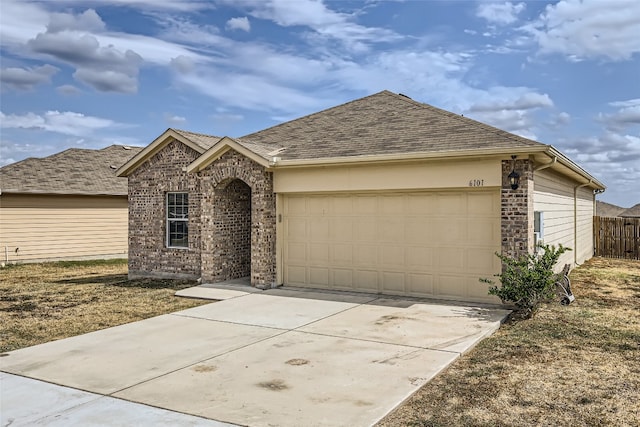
[632, 212]
[383, 123]
[73, 171]
[200, 139]
[607, 209]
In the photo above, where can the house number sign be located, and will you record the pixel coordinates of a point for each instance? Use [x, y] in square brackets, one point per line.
[476, 183]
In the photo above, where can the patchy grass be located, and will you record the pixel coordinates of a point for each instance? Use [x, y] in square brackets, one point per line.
[569, 366]
[49, 301]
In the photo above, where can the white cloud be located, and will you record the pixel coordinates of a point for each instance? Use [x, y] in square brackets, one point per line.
[68, 90]
[67, 122]
[89, 20]
[20, 21]
[500, 13]
[516, 121]
[27, 78]
[149, 5]
[239, 24]
[311, 13]
[584, 29]
[327, 24]
[613, 157]
[105, 68]
[251, 92]
[174, 120]
[107, 80]
[224, 117]
[511, 109]
[628, 114]
[12, 151]
[562, 119]
[525, 101]
[627, 103]
[82, 41]
[181, 30]
[182, 64]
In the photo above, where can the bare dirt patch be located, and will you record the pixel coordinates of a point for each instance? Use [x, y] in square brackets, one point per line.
[50, 301]
[569, 365]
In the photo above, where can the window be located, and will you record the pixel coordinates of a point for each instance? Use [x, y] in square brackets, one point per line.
[177, 220]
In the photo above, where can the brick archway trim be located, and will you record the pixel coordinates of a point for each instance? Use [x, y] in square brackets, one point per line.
[230, 166]
[219, 149]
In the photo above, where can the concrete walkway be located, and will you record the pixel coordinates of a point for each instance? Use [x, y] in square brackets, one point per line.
[278, 357]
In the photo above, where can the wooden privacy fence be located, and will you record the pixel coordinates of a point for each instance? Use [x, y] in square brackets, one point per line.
[616, 237]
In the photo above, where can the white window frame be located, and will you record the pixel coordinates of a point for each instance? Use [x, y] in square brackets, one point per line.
[183, 218]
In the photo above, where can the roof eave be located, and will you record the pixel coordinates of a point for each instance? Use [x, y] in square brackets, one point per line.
[428, 155]
[452, 154]
[151, 149]
[221, 147]
[62, 193]
[552, 152]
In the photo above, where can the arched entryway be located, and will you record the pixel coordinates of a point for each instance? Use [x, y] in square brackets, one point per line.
[232, 229]
[238, 221]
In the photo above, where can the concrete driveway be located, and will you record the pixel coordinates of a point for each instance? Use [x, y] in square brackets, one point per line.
[278, 357]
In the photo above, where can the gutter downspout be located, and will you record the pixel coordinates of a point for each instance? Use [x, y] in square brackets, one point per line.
[575, 220]
[546, 165]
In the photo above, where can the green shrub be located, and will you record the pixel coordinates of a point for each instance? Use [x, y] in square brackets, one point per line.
[528, 280]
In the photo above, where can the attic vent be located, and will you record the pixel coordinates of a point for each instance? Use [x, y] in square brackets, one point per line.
[126, 147]
[275, 152]
[402, 94]
[113, 167]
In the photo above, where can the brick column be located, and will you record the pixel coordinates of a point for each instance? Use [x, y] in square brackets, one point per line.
[516, 209]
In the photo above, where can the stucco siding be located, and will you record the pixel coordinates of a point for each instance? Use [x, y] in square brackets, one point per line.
[412, 175]
[554, 196]
[53, 227]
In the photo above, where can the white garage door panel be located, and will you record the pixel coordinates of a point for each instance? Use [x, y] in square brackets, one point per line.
[433, 244]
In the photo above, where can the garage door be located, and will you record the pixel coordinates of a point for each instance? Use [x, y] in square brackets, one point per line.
[427, 244]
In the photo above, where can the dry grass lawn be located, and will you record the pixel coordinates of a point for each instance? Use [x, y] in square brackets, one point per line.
[49, 301]
[568, 366]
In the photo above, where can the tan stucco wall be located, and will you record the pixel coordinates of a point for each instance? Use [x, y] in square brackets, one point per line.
[554, 195]
[51, 227]
[380, 177]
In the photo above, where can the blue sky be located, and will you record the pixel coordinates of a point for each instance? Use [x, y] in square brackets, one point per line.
[93, 73]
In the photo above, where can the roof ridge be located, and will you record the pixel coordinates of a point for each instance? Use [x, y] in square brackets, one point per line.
[462, 118]
[196, 133]
[318, 112]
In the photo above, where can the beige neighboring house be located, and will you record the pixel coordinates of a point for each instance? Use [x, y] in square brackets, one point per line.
[67, 206]
[382, 194]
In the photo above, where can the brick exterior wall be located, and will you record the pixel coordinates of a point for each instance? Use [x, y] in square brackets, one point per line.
[148, 185]
[516, 209]
[218, 185]
[232, 217]
[232, 230]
